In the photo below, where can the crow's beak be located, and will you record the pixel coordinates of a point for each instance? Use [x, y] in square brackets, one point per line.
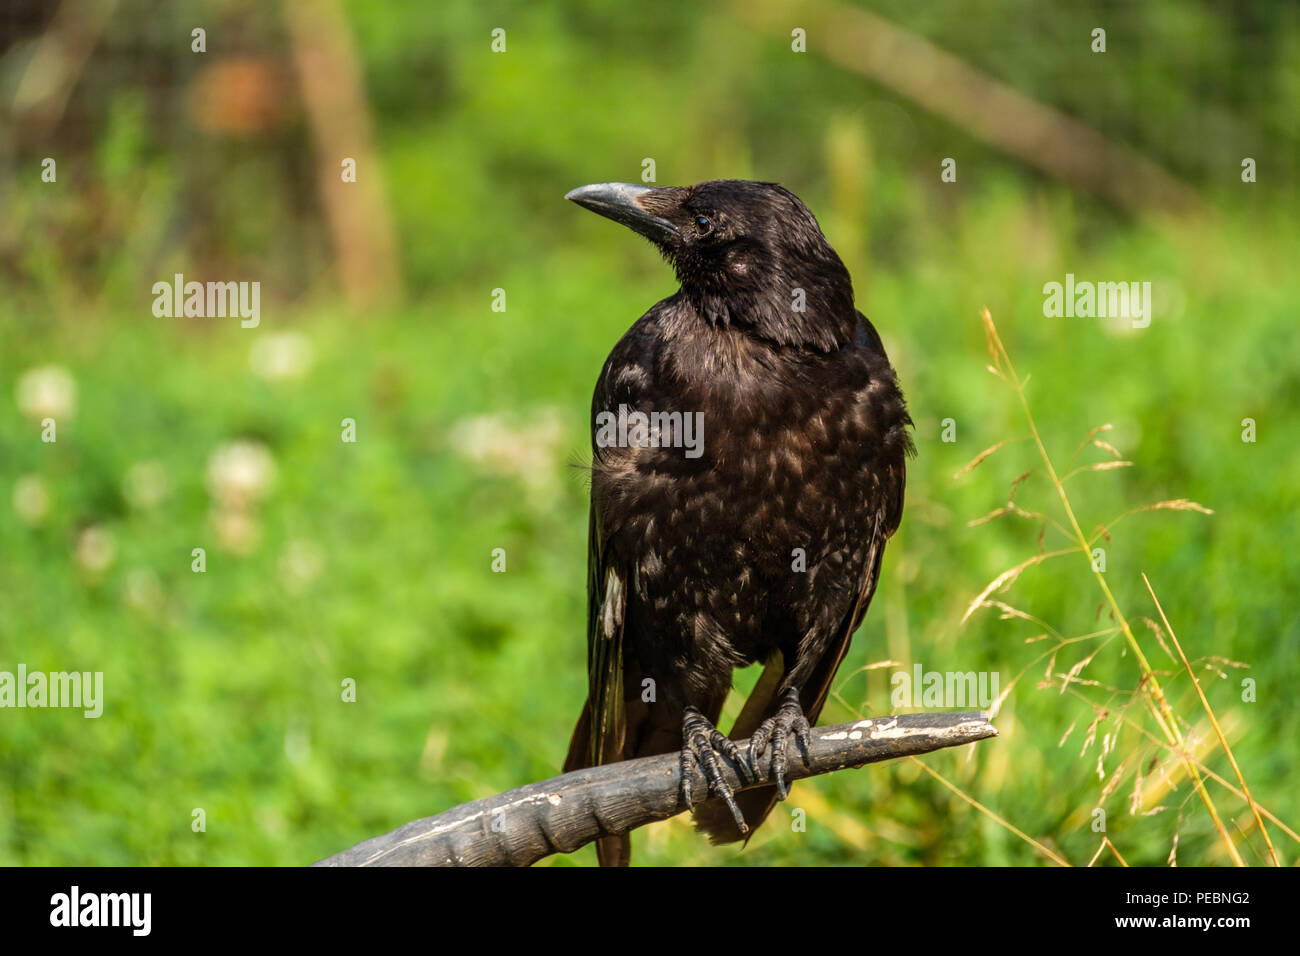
[622, 202]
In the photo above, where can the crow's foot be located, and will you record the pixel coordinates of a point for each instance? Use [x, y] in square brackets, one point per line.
[789, 718]
[702, 743]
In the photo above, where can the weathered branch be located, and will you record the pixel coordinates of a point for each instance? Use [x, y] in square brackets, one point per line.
[520, 826]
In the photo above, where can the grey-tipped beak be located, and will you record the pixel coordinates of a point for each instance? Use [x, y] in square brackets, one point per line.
[619, 201]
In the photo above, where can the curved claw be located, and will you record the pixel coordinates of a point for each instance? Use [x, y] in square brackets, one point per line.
[701, 745]
[775, 730]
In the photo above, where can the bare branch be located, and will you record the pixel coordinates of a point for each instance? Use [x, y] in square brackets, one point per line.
[520, 826]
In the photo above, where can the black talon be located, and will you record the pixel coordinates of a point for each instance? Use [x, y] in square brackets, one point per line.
[701, 744]
[788, 717]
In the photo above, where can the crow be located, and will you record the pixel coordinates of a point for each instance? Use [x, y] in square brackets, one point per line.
[749, 441]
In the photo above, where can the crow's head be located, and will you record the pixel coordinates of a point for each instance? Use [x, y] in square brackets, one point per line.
[748, 255]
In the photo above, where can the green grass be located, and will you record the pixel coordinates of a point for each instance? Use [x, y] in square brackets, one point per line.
[223, 689]
[371, 561]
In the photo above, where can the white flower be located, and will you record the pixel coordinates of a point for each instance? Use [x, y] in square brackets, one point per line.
[237, 531]
[528, 451]
[31, 499]
[47, 392]
[281, 356]
[95, 549]
[240, 474]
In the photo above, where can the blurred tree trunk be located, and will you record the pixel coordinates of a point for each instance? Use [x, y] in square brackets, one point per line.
[360, 221]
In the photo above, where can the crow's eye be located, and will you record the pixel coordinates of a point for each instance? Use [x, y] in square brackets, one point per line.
[702, 225]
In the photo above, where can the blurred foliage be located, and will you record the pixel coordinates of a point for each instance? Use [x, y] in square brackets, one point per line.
[371, 561]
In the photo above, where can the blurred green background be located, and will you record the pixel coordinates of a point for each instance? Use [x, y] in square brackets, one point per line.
[371, 560]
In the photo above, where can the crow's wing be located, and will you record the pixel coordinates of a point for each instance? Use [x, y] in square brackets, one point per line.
[600, 734]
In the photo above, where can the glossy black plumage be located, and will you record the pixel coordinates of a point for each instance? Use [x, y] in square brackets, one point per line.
[767, 545]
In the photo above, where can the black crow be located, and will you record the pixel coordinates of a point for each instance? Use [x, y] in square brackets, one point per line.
[749, 440]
